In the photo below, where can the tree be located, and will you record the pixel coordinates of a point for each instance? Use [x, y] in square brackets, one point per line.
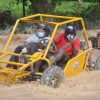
[40, 6]
[43, 6]
[80, 1]
[24, 3]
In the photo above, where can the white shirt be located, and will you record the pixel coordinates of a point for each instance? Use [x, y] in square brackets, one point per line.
[33, 38]
[36, 39]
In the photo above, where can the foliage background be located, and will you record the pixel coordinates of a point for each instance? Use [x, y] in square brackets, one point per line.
[88, 9]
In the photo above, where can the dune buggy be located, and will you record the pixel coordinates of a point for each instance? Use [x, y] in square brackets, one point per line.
[51, 75]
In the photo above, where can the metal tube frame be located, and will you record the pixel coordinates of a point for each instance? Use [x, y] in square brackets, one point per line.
[57, 24]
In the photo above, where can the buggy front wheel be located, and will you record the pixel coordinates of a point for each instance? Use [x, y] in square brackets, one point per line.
[52, 76]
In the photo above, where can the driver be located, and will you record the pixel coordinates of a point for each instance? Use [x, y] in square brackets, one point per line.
[67, 44]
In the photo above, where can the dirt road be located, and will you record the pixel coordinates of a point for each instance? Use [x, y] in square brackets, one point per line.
[85, 86]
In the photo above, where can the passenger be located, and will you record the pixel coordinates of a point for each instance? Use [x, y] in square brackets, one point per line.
[67, 44]
[36, 37]
[32, 43]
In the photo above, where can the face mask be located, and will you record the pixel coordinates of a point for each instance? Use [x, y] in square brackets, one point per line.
[40, 34]
[70, 37]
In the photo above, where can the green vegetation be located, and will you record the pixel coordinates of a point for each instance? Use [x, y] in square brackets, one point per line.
[4, 3]
[66, 7]
[11, 5]
[71, 7]
[88, 9]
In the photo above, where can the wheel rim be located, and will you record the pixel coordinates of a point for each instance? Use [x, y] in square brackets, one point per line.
[55, 81]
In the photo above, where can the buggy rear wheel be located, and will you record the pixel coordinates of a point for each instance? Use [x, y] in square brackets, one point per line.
[52, 76]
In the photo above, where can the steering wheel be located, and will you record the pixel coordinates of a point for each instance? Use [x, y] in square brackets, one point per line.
[44, 42]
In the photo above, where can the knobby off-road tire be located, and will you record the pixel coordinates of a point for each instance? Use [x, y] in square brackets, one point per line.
[52, 77]
[97, 65]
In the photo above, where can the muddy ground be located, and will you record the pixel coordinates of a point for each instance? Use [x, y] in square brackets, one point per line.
[85, 86]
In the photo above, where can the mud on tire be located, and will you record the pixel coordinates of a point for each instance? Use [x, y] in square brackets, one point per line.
[52, 77]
